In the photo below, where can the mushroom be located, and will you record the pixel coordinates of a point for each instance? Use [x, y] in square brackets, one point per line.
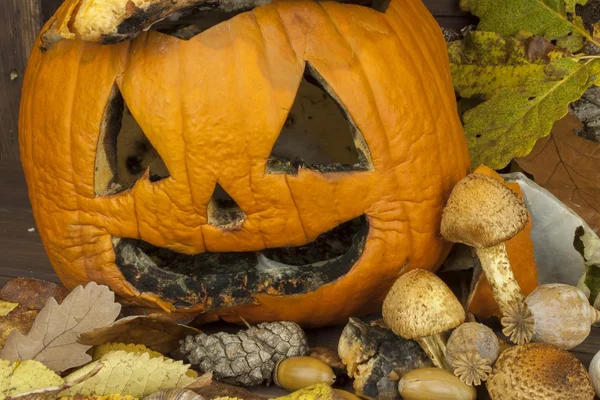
[421, 307]
[539, 371]
[471, 350]
[483, 213]
[562, 313]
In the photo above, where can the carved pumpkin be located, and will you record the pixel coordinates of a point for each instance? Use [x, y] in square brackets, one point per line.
[216, 222]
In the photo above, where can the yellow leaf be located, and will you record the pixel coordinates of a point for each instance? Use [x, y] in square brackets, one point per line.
[22, 376]
[131, 374]
[319, 391]
[107, 397]
[6, 307]
[104, 349]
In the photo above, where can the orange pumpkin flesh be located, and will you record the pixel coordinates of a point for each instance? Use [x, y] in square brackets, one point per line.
[522, 261]
[213, 107]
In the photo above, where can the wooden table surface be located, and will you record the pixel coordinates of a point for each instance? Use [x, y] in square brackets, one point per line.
[21, 251]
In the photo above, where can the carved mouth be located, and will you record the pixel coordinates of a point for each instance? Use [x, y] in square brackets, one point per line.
[228, 278]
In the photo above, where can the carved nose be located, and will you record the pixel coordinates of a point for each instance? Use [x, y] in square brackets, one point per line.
[223, 211]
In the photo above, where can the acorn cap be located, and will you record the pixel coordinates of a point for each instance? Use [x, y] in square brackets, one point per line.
[419, 304]
[539, 371]
[481, 212]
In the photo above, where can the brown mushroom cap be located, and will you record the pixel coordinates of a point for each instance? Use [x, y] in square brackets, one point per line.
[481, 212]
[419, 304]
[538, 371]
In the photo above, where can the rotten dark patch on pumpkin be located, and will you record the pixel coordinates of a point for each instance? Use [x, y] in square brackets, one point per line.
[182, 19]
[186, 19]
[229, 278]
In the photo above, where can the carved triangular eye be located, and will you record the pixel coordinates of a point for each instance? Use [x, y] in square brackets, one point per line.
[319, 133]
[223, 211]
[124, 152]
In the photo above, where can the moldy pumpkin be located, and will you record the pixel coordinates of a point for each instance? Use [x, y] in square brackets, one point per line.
[209, 214]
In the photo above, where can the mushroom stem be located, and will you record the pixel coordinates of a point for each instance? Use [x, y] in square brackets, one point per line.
[435, 348]
[517, 318]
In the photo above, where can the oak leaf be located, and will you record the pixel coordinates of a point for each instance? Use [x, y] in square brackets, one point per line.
[567, 166]
[155, 331]
[52, 339]
[131, 374]
[551, 19]
[23, 376]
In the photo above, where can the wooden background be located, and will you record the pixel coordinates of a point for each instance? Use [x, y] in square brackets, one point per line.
[21, 252]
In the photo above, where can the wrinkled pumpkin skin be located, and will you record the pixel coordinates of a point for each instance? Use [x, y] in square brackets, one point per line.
[228, 89]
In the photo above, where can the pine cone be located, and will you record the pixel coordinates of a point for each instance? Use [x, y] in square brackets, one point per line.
[249, 357]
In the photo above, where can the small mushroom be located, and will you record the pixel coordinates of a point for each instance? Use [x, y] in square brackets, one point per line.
[296, 373]
[434, 383]
[471, 350]
[594, 372]
[421, 307]
[539, 371]
[562, 313]
[483, 213]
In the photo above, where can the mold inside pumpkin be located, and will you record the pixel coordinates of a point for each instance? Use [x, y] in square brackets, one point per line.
[288, 162]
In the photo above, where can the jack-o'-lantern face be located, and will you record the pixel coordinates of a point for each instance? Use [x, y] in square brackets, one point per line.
[286, 163]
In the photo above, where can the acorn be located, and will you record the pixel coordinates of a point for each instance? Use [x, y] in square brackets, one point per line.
[296, 373]
[434, 383]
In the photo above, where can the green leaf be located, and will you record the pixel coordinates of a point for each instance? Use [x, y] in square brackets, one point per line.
[551, 19]
[22, 376]
[484, 62]
[513, 119]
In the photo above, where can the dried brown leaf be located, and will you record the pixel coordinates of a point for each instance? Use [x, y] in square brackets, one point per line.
[32, 293]
[52, 339]
[202, 381]
[567, 166]
[19, 319]
[155, 331]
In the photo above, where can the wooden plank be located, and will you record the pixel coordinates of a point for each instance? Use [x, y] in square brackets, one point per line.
[444, 8]
[21, 250]
[22, 19]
